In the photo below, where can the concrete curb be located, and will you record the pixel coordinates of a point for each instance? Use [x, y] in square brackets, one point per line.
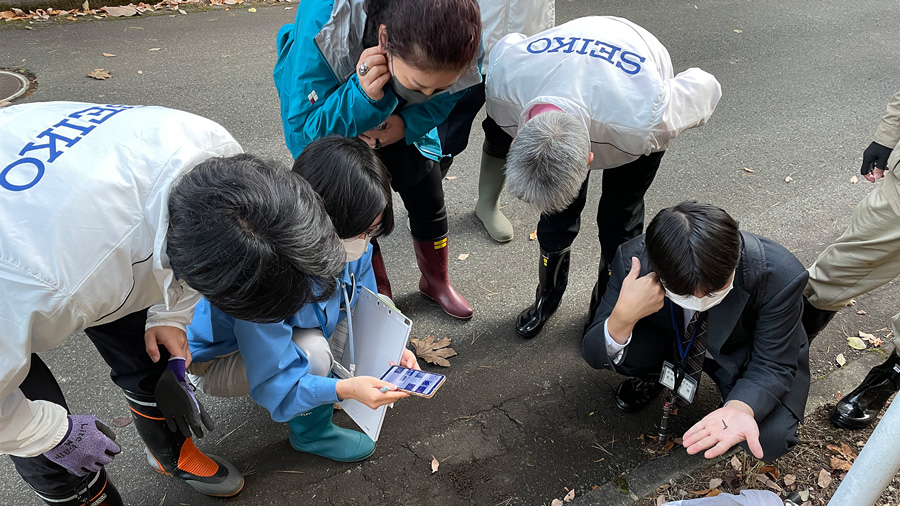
[643, 481]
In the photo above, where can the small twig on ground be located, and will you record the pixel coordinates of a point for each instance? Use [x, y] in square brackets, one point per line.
[231, 432]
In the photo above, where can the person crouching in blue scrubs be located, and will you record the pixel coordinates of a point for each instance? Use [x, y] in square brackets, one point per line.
[286, 366]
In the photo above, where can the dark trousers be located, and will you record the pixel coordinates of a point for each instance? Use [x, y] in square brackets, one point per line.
[454, 131]
[121, 344]
[620, 213]
[418, 181]
[777, 431]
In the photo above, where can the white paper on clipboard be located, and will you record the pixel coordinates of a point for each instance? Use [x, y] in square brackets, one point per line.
[380, 333]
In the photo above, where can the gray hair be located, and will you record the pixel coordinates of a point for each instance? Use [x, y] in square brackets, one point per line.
[547, 163]
[252, 237]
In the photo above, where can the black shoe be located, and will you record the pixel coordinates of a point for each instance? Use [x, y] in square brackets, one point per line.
[634, 394]
[95, 490]
[814, 319]
[859, 408]
[553, 276]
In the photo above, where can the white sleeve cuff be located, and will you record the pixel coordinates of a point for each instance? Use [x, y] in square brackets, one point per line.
[614, 349]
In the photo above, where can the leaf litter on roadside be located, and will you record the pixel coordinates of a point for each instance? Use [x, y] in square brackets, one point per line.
[432, 350]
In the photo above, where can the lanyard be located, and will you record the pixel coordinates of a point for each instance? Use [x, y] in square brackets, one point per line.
[682, 351]
[322, 320]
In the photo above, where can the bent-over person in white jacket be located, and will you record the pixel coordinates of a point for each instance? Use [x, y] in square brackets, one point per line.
[596, 93]
[116, 219]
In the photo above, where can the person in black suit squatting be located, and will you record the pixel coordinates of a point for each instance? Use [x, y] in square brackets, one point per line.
[728, 302]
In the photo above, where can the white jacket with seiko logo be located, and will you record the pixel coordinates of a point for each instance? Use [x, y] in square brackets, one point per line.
[83, 202]
[610, 73]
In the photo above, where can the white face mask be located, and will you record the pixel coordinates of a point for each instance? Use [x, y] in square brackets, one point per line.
[355, 247]
[700, 304]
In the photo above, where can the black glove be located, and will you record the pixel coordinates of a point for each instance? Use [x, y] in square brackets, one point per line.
[175, 398]
[875, 157]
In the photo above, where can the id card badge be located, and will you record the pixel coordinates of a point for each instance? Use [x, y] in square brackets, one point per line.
[687, 389]
[667, 376]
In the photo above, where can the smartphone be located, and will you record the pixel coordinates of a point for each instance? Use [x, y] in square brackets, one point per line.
[420, 383]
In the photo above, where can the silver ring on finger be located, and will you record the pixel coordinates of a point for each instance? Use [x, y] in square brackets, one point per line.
[363, 69]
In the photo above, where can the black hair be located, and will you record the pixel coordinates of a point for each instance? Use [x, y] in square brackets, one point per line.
[428, 34]
[352, 182]
[693, 246]
[252, 237]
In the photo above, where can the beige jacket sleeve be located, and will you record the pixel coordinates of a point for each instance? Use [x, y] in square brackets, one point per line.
[888, 131]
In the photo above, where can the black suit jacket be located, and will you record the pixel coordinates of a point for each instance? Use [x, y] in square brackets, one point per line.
[754, 334]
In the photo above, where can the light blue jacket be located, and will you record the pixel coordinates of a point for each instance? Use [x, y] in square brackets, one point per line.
[315, 75]
[278, 372]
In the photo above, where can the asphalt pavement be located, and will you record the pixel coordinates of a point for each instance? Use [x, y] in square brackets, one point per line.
[518, 421]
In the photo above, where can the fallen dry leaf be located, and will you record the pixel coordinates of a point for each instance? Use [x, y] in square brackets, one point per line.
[714, 483]
[660, 500]
[434, 464]
[840, 359]
[154, 49]
[838, 395]
[120, 12]
[789, 479]
[5, 103]
[824, 479]
[701, 492]
[847, 452]
[748, 169]
[251, 9]
[7, 15]
[861, 312]
[856, 343]
[854, 180]
[533, 235]
[99, 74]
[450, 178]
[556, 502]
[839, 464]
[140, 71]
[109, 55]
[736, 463]
[463, 256]
[804, 494]
[788, 179]
[121, 421]
[714, 492]
[432, 351]
[569, 496]
[737, 31]
[182, 11]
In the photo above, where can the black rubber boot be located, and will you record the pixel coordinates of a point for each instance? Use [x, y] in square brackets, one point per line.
[859, 408]
[95, 490]
[553, 276]
[634, 394]
[172, 454]
[815, 319]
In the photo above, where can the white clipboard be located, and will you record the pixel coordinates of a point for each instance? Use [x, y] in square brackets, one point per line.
[380, 334]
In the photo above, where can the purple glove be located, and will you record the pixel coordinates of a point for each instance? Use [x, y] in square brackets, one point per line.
[87, 447]
[175, 398]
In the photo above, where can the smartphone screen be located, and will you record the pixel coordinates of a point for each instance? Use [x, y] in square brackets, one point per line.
[415, 382]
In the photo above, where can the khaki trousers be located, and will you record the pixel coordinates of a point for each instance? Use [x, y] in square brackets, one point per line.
[867, 255]
[226, 376]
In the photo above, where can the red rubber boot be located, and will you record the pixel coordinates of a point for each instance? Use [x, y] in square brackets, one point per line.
[432, 257]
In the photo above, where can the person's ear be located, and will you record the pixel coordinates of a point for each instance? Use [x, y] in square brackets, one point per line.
[590, 158]
[382, 36]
